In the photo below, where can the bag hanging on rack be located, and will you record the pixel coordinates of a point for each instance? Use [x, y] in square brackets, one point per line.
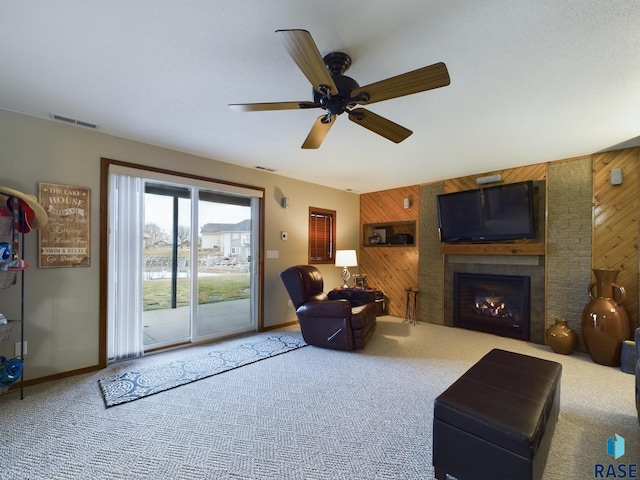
[17, 263]
[7, 275]
[10, 371]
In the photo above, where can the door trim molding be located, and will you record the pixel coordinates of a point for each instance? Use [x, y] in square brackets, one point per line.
[105, 164]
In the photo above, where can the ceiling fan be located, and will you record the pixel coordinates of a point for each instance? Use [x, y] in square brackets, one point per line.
[336, 93]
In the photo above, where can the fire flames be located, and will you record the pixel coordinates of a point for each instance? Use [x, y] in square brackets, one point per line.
[492, 307]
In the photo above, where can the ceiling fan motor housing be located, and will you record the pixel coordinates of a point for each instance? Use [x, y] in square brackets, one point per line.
[337, 63]
[336, 104]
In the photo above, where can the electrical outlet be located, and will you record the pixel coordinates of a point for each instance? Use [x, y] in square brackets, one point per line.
[18, 349]
[289, 304]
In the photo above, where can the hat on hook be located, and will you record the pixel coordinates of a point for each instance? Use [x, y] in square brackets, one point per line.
[34, 214]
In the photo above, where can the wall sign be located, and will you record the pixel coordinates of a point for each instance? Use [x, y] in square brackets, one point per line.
[64, 241]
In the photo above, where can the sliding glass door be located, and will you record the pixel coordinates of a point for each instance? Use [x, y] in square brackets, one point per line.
[192, 273]
[166, 275]
[224, 264]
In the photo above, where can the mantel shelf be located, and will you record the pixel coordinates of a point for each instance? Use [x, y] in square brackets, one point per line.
[493, 249]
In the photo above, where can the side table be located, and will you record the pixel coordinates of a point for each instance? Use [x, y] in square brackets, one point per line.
[377, 296]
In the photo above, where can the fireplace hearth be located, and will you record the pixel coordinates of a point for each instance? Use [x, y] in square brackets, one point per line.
[498, 304]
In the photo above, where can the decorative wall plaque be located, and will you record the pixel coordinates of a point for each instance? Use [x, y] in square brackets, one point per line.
[64, 241]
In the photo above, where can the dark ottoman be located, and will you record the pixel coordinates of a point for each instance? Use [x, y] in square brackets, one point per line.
[497, 420]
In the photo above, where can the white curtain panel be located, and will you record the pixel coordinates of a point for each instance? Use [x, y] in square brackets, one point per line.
[126, 225]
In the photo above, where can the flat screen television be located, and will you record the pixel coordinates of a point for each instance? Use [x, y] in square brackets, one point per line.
[501, 212]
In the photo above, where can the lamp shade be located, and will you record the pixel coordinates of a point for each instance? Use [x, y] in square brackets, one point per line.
[346, 258]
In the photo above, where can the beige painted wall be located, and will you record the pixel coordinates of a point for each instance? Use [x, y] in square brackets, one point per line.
[61, 304]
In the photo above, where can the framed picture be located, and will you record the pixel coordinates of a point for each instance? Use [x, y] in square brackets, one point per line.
[360, 280]
[383, 234]
[65, 240]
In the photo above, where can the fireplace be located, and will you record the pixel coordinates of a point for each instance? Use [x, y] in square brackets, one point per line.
[498, 304]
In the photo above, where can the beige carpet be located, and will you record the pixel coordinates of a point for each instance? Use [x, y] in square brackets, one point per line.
[309, 414]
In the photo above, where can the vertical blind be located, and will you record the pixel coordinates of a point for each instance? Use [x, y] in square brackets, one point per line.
[125, 330]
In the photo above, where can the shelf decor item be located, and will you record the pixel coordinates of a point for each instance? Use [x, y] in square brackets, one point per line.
[605, 324]
[374, 238]
[360, 280]
[561, 338]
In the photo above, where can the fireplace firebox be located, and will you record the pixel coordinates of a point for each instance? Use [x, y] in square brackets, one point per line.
[498, 304]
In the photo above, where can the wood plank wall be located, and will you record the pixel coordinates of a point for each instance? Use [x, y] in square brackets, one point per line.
[512, 175]
[615, 222]
[615, 236]
[390, 268]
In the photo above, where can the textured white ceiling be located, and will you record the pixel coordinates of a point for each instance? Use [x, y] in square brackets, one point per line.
[530, 81]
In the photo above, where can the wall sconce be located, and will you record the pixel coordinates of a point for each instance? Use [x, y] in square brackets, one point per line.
[284, 202]
[344, 259]
[407, 203]
[616, 176]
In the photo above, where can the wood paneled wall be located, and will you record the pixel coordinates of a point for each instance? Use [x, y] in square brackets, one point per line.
[615, 222]
[615, 236]
[511, 175]
[390, 268]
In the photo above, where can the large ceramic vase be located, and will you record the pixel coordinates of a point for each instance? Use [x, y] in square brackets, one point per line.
[605, 324]
[561, 338]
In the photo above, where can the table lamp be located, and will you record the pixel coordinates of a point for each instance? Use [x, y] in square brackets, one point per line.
[345, 259]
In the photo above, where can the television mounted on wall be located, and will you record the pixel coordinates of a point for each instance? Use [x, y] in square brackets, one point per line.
[500, 212]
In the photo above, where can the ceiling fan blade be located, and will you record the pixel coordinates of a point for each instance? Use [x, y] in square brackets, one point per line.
[259, 107]
[304, 52]
[319, 131]
[380, 125]
[423, 79]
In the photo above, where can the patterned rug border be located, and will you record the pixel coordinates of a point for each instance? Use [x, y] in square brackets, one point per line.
[134, 385]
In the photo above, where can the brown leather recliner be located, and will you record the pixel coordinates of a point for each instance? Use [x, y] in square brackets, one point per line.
[327, 323]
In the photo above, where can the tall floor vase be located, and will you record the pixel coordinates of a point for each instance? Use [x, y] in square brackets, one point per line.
[605, 324]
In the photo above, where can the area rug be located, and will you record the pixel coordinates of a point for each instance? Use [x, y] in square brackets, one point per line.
[130, 386]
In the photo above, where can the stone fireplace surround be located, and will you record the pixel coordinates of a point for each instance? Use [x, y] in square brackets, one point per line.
[521, 265]
[566, 229]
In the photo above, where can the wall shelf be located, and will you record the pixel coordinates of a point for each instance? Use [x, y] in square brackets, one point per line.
[389, 234]
[494, 249]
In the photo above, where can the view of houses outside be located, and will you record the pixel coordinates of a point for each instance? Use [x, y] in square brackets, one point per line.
[224, 249]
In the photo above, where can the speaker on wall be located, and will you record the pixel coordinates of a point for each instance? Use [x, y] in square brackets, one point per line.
[488, 179]
[616, 176]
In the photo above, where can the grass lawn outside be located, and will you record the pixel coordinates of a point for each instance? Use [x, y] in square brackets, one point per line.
[227, 286]
[230, 280]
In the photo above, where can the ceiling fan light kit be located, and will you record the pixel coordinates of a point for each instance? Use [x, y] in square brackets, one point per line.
[336, 93]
